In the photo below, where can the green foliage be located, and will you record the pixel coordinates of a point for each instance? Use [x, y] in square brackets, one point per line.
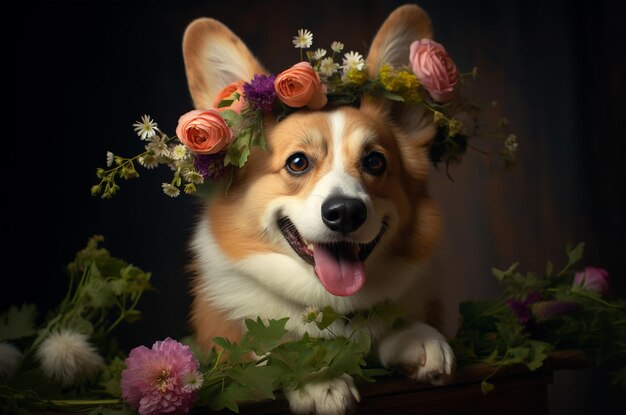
[507, 332]
[285, 363]
[110, 376]
[103, 291]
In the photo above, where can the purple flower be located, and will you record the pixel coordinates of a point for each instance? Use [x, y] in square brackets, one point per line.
[154, 380]
[546, 310]
[211, 166]
[594, 279]
[521, 309]
[260, 92]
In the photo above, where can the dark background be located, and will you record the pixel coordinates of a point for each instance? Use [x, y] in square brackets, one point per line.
[81, 73]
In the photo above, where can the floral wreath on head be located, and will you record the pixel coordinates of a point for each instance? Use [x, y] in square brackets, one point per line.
[210, 144]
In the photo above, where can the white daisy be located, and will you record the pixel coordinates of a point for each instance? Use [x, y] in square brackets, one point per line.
[319, 54]
[510, 144]
[157, 146]
[110, 158]
[192, 381]
[179, 152]
[170, 190]
[336, 46]
[328, 67]
[194, 177]
[67, 356]
[145, 128]
[303, 40]
[149, 161]
[9, 358]
[352, 60]
[312, 314]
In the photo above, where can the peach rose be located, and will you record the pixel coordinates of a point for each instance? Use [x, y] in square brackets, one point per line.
[203, 132]
[299, 86]
[227, 93]
[434, 68]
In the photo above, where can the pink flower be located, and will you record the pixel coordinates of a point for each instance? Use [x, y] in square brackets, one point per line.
[203, 132]
[300, 85]
[434, 68]
[154, 380]
[594, 279]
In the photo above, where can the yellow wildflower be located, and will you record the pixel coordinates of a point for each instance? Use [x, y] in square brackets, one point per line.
[357, 77]
[402, 82]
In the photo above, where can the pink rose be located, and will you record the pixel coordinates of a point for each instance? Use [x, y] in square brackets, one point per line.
[203, 132]
[227, 93]
[299, 86]
[594, 279]
[434, 68]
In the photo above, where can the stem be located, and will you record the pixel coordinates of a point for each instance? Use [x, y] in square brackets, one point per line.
[217, 362]
[582, 293]
[477, 149]
[85, 402]
[506, 353]
[109, 175]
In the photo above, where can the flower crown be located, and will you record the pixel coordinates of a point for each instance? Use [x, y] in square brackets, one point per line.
[210, 144]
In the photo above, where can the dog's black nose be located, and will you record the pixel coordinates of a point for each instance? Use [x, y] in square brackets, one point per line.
[343, 214]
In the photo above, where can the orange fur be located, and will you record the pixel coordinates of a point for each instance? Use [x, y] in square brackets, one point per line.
[208, 322]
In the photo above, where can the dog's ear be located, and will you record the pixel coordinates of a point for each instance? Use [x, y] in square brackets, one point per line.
[215, 57]
[391, 45]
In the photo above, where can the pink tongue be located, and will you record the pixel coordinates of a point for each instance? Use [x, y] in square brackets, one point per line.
[341, 274]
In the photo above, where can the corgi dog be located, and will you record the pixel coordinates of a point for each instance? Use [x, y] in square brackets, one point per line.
[334, 212]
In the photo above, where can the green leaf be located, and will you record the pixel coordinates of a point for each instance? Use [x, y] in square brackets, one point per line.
[262, 338]
[480, 315]
[231, 117]
[501, 275]
[100, 293]
[394, 97]
[549, 268]
[486, 387]
[261, 381]
[110, 376]
[349, 358]
[516, 355]
[510, 334]
[225, 103]
[228, 397]
[539, 353]
[329, 316]
[18, 322]
[235, 352]
[259, 136]
[575, 254]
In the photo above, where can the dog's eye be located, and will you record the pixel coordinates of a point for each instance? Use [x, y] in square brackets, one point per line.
[297, 164]
[374, 163]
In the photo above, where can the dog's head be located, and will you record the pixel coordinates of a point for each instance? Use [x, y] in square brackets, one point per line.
[339, 197]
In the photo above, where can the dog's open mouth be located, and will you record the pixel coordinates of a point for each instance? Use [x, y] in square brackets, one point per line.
[340, 266]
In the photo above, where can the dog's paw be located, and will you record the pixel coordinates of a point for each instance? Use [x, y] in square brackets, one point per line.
[420, 351]
[336, 396]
